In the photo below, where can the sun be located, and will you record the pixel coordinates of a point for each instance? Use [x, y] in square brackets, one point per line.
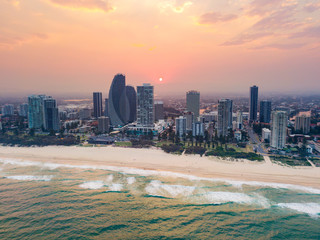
[160, 79]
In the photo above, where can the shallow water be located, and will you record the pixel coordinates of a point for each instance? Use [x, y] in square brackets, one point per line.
[51, 201]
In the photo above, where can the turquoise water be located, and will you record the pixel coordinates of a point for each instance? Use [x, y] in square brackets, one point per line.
[51, 201]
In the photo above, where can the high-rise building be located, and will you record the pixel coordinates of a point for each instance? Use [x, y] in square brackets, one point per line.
[303, 122]
[106, 107]
[117, 100]
[239, 120]
[181, 126]
[224, 117]
[253, 101]
[193, 103]
[198, 129]
[23, 110]
[131, 104]
[145, 111]
[265, 111]
[63, 115]
[158, 111]
[190, 120]
[50, 114]
[279, 129]
[97, 104]
[103, 124]
[7, 110]
[35, 111]
[85, 113]
[119, 106]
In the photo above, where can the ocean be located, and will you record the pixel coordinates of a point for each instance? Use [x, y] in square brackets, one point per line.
[57, 201]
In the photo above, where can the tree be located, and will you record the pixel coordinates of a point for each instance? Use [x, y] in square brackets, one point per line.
[52, 133]
[31, 132]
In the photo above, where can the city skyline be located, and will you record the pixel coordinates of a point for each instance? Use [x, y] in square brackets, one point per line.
[189, 45]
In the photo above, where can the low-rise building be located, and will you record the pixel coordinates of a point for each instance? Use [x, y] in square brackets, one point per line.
[266, 135]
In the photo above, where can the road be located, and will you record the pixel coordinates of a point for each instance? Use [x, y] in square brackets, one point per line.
[254, 140]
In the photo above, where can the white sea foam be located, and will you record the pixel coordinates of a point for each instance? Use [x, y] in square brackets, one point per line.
[156, 188]
[116, 187]
[30, 178]
[312, 209]
[109, 178]
[224, 197]
[142, 172]
[131, 180]
[92, 185]
[240, 184]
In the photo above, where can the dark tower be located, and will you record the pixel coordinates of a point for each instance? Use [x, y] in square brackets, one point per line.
[253, 103]
[132, 103]
[117, 101]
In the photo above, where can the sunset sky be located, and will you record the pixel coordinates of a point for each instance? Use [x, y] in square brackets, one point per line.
[77, 46]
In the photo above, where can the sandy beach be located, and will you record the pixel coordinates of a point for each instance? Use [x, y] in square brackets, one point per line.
[153, 159]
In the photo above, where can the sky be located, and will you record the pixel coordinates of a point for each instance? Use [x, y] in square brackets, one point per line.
[213, 46]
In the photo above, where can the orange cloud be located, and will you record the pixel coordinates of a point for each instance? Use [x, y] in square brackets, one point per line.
[101, 5]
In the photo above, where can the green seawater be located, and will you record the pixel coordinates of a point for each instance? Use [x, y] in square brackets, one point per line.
[40, 201]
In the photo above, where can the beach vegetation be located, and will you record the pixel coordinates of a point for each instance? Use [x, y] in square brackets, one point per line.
[222, 152]
[172, 148]
[195, 150]
[290, 161]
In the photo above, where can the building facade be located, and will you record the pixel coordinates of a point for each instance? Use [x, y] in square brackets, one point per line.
[131, 104]
[190, 120]
[103, 124]
[198, 129]
[50, 115]
[224, 117]
[117, 101]
[97, 104]
[193, 103]
[158, 111]
[106, 107]
[145, 110]
[303, 122]
[279, 129]
[181, 126]
[265, 111]
[23, 110]
[7, 110]
[85, 113]
[266, 135]
[35, 111]
[239, 120]
[122, 102]
[253, 102]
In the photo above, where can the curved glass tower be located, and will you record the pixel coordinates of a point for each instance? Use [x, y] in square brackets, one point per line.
[132, 103]
[117, 101]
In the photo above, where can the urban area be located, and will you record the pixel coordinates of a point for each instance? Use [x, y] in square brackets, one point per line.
[283, 130]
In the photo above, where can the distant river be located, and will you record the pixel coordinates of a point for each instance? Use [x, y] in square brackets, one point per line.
[51, 201]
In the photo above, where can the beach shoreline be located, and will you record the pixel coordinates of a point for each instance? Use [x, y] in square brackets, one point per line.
[157, 160]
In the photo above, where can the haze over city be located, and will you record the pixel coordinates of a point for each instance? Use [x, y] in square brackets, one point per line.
[76, 47]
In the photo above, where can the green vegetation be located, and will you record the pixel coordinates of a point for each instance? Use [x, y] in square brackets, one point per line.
[141, 143]
[172, 148]
[220, 152]
[37, 140]
[195, 150]
[123, 144]
[291, 161]
[316, 161]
